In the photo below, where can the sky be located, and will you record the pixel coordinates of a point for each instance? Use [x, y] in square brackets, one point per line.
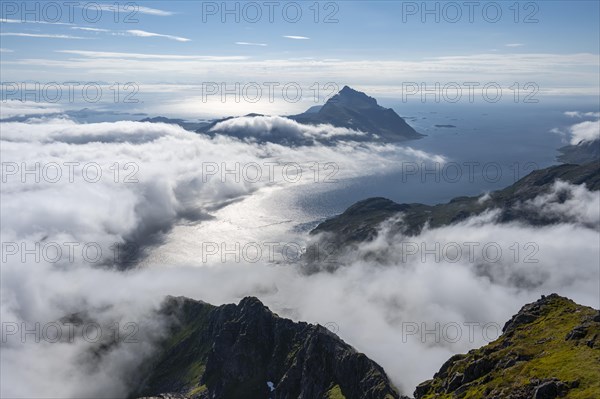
[376, 46]
[170, 52]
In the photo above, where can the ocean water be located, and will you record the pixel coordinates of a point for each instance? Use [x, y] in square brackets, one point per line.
[490, 147]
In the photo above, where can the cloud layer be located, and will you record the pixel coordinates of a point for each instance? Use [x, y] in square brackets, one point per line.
[173, 206]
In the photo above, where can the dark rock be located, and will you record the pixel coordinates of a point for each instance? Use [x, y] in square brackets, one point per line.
[593, 341]
[423, 388]
[550, 390]
[455, 382]
[577, 333]
[232, 351]
[443, 372]
[478, 369]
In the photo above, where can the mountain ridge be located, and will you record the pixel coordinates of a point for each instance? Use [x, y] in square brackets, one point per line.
[242, 351]
[360, 222]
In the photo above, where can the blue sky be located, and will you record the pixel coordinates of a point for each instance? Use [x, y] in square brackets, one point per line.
[370, 44]
[382, 29]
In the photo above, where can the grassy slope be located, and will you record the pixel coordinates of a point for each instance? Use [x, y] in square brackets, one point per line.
[550, 355]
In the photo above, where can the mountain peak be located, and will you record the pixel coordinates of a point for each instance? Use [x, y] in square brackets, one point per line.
[355, 110]
[235, 351]
[353, 98]
[347, 89]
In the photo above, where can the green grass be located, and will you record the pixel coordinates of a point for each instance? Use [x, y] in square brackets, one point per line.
[335, 393]
[552, 356]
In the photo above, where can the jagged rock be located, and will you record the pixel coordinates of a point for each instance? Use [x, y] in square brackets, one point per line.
[577, 333]
[234, 351]
[550, 390]
[527, 314]
[455, 382]
[423, 388]
[478, 369]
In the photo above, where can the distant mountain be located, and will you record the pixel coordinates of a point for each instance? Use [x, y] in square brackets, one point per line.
[353, 109]
[245, 351]
[585, 151]
[348, 109]
[549, 349]
[360, 222]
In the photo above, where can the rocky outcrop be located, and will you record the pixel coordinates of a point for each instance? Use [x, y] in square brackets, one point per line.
[246, 351]
[544, 352]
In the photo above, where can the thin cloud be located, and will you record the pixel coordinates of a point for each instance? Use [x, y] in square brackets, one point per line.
[296, 37]
[577, 114]
[6, 50]
[107, 54]
[514, 45]
[136, 9]
[251, 44]
[154, 11]
[85, 28]
[41, 35]
[18, 21]
[143, 33]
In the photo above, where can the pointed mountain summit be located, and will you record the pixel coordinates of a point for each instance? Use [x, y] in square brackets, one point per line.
[353, 109]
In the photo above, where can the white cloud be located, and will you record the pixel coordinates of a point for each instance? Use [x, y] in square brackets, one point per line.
[12, 108]
[6, 50]
[153, 11]
[569, 202]
[514, 45]
[135, 9]
[368, 299]
[41, 35]
[143, 56]
[278, 127]
[296, 37]
[485, 197]
[142, 33]
[25, 21]
[251, 44]
[555, 74]
[585, 132]
[88, 29]
[577, 114]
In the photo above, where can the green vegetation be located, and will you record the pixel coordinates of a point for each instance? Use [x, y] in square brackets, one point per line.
[335, 393]
[197, 391]
[531, 353]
